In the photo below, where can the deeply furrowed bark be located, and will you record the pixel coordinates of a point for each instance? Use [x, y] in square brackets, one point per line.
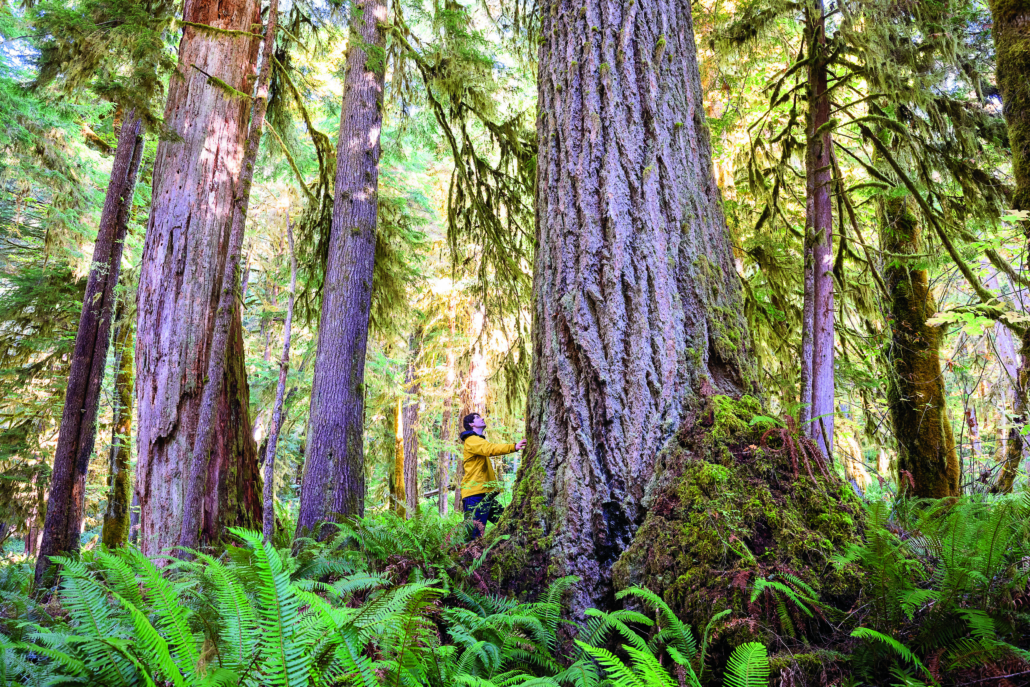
[1011, 32]
[916, 395]
[196, 484]
[410, 417]
[818, 171]
[77, 432]
[637, 305]
[116, 518]
[280, 391]
[184, 259]
[334, 471]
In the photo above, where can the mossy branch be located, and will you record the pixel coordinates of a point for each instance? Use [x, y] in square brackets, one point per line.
[207, 28]
[292, 162]
[984, 294]
[218, 83]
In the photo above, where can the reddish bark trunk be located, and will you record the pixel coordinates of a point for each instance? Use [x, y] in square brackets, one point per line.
[63, 523]
[196, 486]
[280, 391]
[184, 260]
[819, 173]
[334, 470]
[638, 310]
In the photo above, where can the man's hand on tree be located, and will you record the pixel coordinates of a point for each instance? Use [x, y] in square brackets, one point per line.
[520, 445]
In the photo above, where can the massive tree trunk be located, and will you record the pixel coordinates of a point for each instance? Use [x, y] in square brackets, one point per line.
[1012, 44]
[184, 257]
[638, 310]
[63, 523]
[819, 148]
[334, 470]
[119, 482]
[410, 416]
[926, 446]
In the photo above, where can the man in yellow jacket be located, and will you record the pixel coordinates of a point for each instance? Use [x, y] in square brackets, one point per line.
[480, 487]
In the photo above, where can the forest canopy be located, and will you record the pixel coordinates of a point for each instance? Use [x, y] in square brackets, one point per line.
[495, 342]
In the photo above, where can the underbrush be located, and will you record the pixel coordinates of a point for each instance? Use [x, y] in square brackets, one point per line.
[393, 602]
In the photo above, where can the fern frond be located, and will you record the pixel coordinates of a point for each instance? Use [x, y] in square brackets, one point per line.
[748, 666]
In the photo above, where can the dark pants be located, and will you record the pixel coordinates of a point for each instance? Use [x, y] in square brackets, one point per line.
[484, 509]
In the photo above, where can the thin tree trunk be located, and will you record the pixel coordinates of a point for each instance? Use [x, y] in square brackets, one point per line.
[399, 488]
[472, 397]
[77, 432]
[196, 485]
[807, 324]
[411, 390]
[280, 390]
[134, 518]
[196, 176]
[447, 421]
[638, 310]
[116, 519]
[916, 395]
[334, 471]
[819, 169]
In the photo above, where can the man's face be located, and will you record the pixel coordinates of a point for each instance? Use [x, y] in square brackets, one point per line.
[478, 424]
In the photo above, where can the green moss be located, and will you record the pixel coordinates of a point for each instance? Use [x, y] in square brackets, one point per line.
[733, 513]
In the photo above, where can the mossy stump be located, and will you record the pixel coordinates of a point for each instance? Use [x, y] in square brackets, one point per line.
[728, 506]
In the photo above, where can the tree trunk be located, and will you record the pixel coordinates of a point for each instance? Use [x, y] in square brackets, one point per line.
[807, 325]
[819, 148]
[447, 421]
[116, 518]
[1012, 45]
[926, 446]
[473, 398]
[1013, 443]
[638, 310]
[63, 523]
[280, 391]
[411, 390]
[334, 471]
[183, 264]
[228, 307]
[398, 488]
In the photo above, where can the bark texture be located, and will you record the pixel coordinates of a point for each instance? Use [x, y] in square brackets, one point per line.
[412, 386]
[280, 392]
[916, 395]
[196, 486]
[119, 480]
[638, 310]
[63, 524]
[334, 471]
[184, 259]
[818, 163]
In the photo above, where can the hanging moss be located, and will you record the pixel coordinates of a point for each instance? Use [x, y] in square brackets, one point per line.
[726, 509]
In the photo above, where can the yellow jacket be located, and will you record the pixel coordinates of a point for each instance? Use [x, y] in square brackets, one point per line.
[480, 477]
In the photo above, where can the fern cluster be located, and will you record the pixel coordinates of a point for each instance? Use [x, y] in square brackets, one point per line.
[323, 616]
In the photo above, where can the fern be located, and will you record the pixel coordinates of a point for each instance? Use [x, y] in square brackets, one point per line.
[748, 666]
[898, 648]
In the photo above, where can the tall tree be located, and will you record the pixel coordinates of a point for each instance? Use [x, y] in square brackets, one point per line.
[334, 471]
[63, 523]
[916, 395]
[1012, 45]
[184, 256]
[638, 309]
[412, 386]
[119, 481]
[228, 307]
[819, 223]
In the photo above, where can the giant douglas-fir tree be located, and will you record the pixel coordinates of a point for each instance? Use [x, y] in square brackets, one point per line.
[638, 309]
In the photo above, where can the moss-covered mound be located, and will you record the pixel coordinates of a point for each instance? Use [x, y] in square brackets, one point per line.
[739, 498]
